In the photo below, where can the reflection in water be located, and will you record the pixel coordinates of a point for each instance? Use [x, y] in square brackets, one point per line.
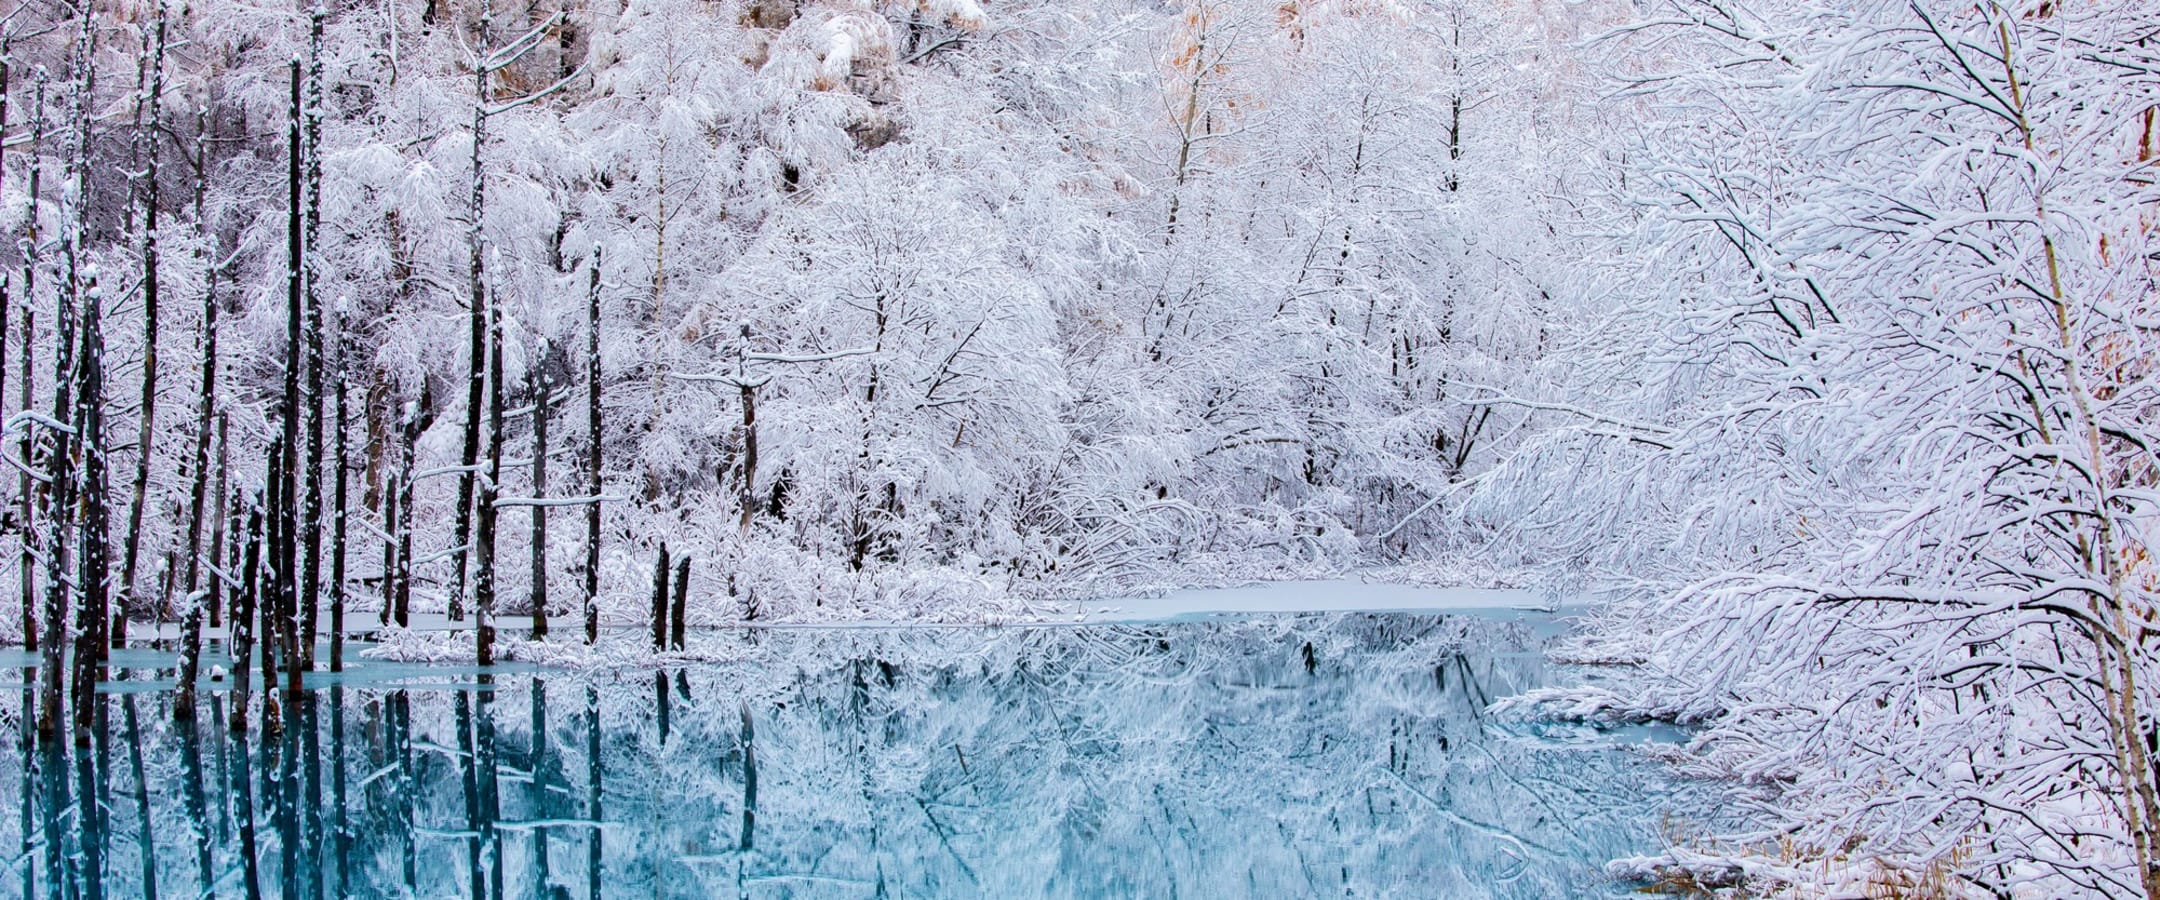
[1289, 756]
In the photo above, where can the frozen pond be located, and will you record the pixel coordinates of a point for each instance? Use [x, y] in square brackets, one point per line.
[1341, 754]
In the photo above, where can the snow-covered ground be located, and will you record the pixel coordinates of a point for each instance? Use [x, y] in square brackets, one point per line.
[1332, 595]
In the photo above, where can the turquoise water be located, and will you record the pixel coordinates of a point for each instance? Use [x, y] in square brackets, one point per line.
[1285, 756]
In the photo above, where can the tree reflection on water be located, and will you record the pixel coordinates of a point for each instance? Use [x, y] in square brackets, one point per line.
[1277, 756]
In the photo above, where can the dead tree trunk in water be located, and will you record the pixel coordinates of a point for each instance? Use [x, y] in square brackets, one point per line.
[288, 556]
[25, 496]
[243, 614]
[542, 381]
[483, 383]
[93, 566]
[660, 601]
[682, 597]
[309, 472]
[338, 463]
[147, 430]
[476, 324]
[592, 449]
[199, 459]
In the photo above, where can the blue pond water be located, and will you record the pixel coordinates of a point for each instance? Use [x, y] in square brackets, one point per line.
[1282, 756]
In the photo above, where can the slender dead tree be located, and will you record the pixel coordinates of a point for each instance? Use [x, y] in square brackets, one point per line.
[93, 565]
[206, 408]
[146, 430]
[490, 491]
[542, 381]
[291, 413]
[339, 506]
[660, 600]
[484, 332]
[309, 472]
[219, 548]
[25, 490]
[592, 448]
[58, 453]
[677, 615]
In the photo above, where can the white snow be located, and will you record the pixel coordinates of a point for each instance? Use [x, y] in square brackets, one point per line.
[1333, 595]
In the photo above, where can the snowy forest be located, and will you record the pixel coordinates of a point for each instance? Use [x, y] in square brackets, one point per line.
[1814, 343]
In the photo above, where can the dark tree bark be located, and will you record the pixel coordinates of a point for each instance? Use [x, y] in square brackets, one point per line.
[340, 508]
[682, 598]
[25, 490]
[660, 601]
[309, 472]
[490, 492]
[146, 432]
[592, 449]
[222, 551]
[542, 382]
[206, 405]
[243, 615]
[476, 323]
[92, 563]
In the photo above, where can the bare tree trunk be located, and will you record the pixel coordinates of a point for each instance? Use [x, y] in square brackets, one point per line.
[92, 565]
[411, 428]
[592, 449]
[199, 484]
[146, 432]
[309, 472]
[269, 597]
[243, 615]
[288, 556]
[749, 427]
[340, 508]
[25, 490]
[541, 382]
[660, 601]
[682, 597]
[490, 492]
[476, 322]
[219, 549]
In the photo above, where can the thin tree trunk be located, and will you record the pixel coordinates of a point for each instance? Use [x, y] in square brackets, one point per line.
[682, 597]
[309, 472]
[592, 449]
[25, 490]
[340, 507]
[288, 557]
[146, 432]
[477, 330]
[660, 601]
[92, 565]
[269, 597]
[220, 549]
[243, 618]
[541, 397]
[490, 491]
[199, 484]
